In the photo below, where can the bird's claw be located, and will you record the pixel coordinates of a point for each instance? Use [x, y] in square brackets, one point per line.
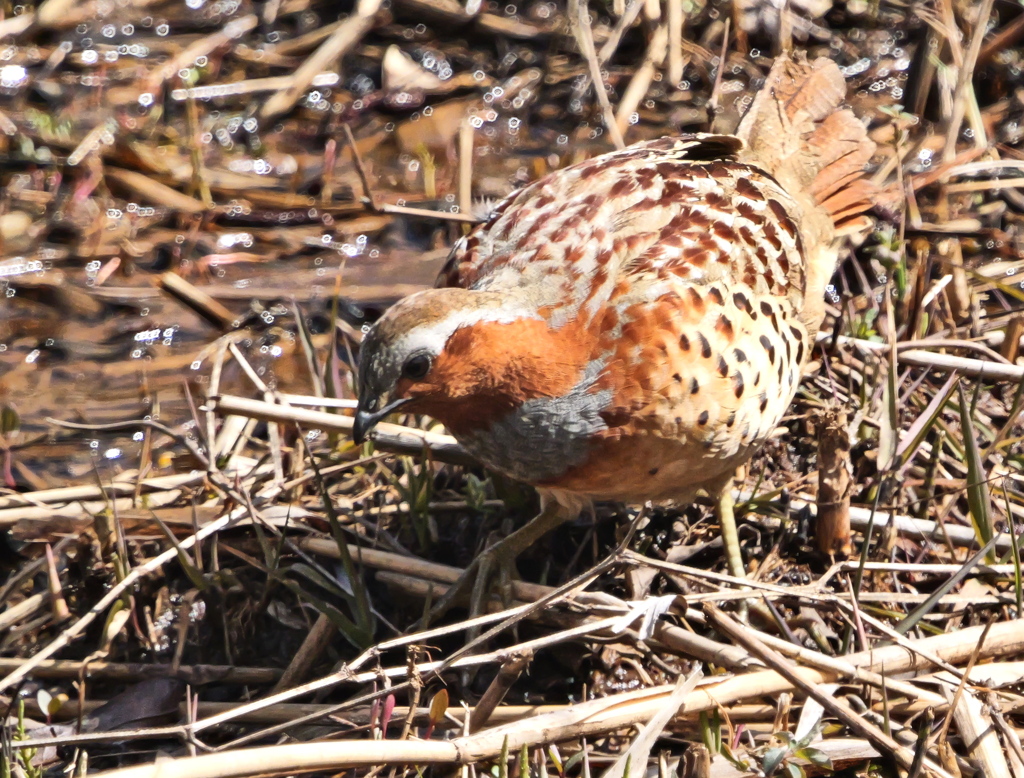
[497, 558]
[496, 565]
[478, 581]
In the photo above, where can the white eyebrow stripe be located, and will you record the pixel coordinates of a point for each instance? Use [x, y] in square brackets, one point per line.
[433, 337]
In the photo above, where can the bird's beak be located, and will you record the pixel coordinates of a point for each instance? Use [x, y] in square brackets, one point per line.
[367, 416]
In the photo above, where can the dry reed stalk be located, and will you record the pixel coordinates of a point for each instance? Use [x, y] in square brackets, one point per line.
[247, 86]
[1011, 340]
[675, 639]
[123, 483]
[613, 713]
[198, 300]
[716, 87]
[993, 370]
[153, 192]
[19, 612]
[985, 186]
[340, 42]
[504, 714]
[1006, 639]
[317, 640]
[466, 137]
[964, 89]
[404, 210]
[586, 719]
[204, 46]
[122, 671]
[945, 363]
[642, 78]
[13, 26]
[626, 21]
[832, 528]
[961, 300]
[639, 751]
[579, 20]
[364, 176]
[350, 673]
[974, 723]
[675, 41]
[508, 674]
[392, 437]
[847, 671]
[74, 509]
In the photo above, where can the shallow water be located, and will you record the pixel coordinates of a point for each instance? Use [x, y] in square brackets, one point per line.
[86, 335]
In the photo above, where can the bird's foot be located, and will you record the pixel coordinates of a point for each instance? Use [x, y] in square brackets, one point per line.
[495, 572]
[493, 569]
[496, 565]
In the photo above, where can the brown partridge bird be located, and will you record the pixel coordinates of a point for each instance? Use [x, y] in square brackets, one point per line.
[634, 327]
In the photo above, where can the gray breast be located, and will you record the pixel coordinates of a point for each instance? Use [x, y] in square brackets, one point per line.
[546, 436]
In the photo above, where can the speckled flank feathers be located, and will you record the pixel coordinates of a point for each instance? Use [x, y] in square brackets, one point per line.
[633, 327]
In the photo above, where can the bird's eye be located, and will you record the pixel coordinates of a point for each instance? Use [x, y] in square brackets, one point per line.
[416, 367]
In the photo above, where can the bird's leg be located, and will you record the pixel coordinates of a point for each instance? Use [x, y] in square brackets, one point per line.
[499, 557]
[731, 540]
[730, 536]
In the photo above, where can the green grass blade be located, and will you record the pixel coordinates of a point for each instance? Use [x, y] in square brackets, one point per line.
[359, 600]
[1015, 550]
[978, 499]
[923, 424]
[928, 605]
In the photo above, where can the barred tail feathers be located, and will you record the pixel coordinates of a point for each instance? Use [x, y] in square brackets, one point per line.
[796, 130]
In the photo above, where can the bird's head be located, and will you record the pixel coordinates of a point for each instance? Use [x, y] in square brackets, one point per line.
[464, 357]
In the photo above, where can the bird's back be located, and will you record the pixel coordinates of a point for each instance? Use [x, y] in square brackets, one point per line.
[691, 270]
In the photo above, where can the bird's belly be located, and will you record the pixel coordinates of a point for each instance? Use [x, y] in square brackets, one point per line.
[644, 467]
